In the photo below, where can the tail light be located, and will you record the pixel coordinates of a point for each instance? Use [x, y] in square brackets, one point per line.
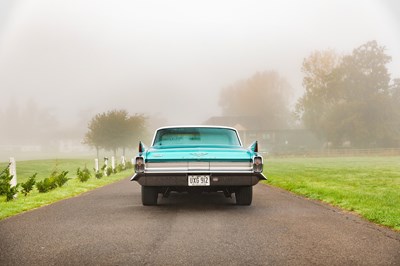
[258, 164]
[142, 148]
[139, 165]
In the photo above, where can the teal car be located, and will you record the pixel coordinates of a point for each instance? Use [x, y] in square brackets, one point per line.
[198, 159]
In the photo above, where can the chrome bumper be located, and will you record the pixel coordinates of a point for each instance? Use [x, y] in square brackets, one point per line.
[181, 179]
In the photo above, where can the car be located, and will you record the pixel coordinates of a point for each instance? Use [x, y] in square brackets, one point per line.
[198, 159]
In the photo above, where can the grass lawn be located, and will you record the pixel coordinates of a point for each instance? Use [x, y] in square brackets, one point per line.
[44, 168]
[369, 186]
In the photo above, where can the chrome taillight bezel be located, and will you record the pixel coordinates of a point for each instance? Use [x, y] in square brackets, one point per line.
[258, 164]
[139, 164]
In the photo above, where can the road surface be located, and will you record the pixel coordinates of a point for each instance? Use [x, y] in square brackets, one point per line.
[109, 226]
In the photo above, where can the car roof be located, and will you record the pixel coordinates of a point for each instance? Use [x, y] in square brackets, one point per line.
[194, 126]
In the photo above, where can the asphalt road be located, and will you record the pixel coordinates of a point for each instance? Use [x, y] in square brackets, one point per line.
[109, 226]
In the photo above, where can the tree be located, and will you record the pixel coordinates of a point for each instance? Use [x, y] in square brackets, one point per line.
[349, 98]
[113, 130]
[395, 105]
[27, 124]
[135, 130]
[95, 136]
[265, 95]
[313, 108]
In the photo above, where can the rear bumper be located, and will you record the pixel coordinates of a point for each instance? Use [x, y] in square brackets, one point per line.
[181, 179]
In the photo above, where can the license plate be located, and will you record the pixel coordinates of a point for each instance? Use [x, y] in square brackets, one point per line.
[198, 180]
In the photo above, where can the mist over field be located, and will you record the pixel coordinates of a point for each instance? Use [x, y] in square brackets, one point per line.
[63, 62]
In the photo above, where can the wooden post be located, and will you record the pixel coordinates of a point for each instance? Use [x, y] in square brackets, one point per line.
[96, 165]
[13, 173]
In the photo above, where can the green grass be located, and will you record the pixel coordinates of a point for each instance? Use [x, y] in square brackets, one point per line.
[369, 186]
[44, 168]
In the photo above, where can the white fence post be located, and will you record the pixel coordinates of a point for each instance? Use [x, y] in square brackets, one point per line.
[113, 163]
[13, 172]
[106, 164]
[96, 165]
[123, 161]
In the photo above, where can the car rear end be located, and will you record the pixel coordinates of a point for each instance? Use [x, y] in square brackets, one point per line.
[209, 167]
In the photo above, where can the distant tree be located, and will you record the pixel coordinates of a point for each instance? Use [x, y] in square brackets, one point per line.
[350, 98]
[28, 123]
[113, 130]
[265, 95]
[135, 130]
[313, 108]
[395, 95]
[95, 136]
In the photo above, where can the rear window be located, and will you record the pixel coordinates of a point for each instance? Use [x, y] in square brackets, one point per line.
[195, 137]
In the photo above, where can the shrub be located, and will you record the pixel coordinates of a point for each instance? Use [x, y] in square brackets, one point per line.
[55, 180]
[61, 178]
[47, 184]
[83, 175]
[11, 192]
[28, 185]
[5, 179]
[128, 165]
[109, 171]
[5, 186]
[98, 174]
[120, 167]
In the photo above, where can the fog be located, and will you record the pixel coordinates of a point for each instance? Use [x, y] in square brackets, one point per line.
[167, 59]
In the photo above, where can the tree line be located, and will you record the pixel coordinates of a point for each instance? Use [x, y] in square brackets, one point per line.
[351, 97]
[348, 98]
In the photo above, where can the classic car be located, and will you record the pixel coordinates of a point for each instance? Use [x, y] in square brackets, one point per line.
[198, 159]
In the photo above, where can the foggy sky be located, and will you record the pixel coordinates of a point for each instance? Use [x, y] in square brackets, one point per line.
[171, 58]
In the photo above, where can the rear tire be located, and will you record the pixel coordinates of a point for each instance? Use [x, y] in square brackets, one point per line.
[244, 196]
[149, 196]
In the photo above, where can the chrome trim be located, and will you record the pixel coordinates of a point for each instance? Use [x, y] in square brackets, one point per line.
[228, 166]
[134, 176]
[225, 167]
[175, 171]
